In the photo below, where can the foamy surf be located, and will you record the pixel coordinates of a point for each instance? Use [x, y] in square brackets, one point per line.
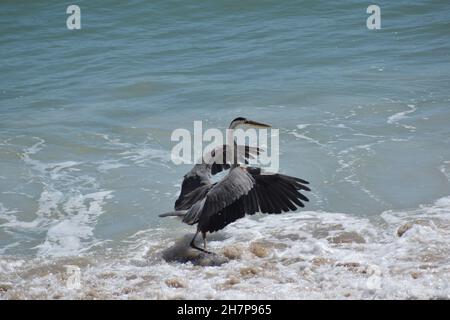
[304, 255]
[397, 117]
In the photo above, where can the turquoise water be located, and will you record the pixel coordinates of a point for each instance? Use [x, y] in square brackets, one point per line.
[86, 117]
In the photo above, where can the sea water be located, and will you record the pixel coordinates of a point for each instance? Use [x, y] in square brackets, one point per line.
[86, 118]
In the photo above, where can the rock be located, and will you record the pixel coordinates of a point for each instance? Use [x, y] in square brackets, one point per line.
[402, 229]
[348, 264]
[232, 281]
[291, 236]
[431, 258]
[92, 295]
[405, 227]
[4, 287]
[107, 275]
[259, 250]
[210, 260]
[320, 261]
[232, 252]
[352, 266]
[210, 273]
[323, 231]
[175, 283]
[181, 251]
[347, 237]
[415, 275]
[127, 290]
[249, 271]
[288, 261]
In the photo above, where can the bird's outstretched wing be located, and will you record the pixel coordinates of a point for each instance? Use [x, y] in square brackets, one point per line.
[212, 199]
[270, 193]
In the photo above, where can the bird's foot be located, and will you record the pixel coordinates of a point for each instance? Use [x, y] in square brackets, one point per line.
[202, 250]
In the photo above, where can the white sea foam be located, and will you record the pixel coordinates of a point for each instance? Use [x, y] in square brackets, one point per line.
[304, 137]
[106, 165]
[143, 154]
[69, 204]
[69, 235]
[136, 153]
[445, 169]
[303, 255]
[397, 117]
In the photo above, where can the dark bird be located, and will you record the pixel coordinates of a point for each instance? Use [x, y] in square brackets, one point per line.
[244, 190]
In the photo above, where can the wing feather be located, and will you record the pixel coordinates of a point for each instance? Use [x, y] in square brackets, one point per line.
[237, 196]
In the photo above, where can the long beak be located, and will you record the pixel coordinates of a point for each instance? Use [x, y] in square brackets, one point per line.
[256, 124]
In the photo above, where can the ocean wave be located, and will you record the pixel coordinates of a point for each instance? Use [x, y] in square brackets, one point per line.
[68, 203]
[74, 233]
[395, 118]
[305, 255]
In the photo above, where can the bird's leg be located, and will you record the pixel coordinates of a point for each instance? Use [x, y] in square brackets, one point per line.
[204, 243]
[192, 244]
[204, 240]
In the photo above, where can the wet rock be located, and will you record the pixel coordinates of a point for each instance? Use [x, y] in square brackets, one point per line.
[270, 266]
[175, 283]
[249, 271]
[210, 260]
[291, 236]
[131, 277]
[232, 252]
[347, 237]
[432, 258]
[348, 264]
[259, 249]
[321, 261]
[405, 227]
[352, 266]
[233, 280]
[4, 287]
[92, 295]
[107, 275]
[210, 273]
[127, 290]
[288, 261]
[323, 231]
[182, 252]
[428, 266]
[402, 229]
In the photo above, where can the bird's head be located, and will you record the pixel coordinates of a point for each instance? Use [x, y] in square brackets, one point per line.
[238, 122]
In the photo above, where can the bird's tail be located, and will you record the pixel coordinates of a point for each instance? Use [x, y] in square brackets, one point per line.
[178, 213]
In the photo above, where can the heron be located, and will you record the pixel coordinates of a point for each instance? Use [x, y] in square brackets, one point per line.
[244, 190]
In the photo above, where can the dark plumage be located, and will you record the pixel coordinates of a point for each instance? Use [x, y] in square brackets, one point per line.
[243, 191]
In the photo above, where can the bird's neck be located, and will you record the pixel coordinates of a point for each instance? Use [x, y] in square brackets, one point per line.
[230, 136]
[231, 142]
